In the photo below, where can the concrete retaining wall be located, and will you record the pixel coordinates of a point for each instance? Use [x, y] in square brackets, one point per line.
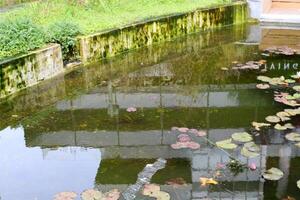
[27, 70]
[116, 41]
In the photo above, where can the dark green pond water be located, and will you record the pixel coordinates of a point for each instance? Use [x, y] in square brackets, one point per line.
[73, 132]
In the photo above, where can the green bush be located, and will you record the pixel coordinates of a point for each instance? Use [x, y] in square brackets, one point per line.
[64, 33]
[20, 36]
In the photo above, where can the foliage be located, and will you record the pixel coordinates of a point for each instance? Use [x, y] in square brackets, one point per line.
[20, 36]
[64, 33]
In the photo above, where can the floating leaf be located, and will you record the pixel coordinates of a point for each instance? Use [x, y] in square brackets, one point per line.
[293, 112]
[263, 86]
[153, 190]
[289, 81]
[273, 174]
[224, 69]
[242, 137]
[112, 195]
[298, 184]
[176, 181]
[184, 138]
[65, 196]
[92, 194]
[297, 144]
[297, 88]
[189, 144]
[295, 137]
[289, 126]
[131, 109]
[279, 127]
[226, 144]
[183, 129]
[273, 119]
[264, 79]
[258, 125]
[207, 181]
[250, 150]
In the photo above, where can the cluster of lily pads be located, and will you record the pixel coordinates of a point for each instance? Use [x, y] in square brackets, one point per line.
[287, 51]
[184, 140]
[90, 194]
[250, 65]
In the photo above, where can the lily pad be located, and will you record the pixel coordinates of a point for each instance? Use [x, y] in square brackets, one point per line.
[258, 125]
[226, 144]
[273, 174]
[92, 194]
[263, 86]
[295, 137]
[154, 191]
[65, 195]
[297, 88]
[250, 150]
[242, 137]
[289, 81]
[273, 119]
[264, 79]
[298, 184]
[280, 127]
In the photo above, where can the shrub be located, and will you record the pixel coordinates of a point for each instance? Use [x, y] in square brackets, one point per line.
[19, 36]
[64, 33]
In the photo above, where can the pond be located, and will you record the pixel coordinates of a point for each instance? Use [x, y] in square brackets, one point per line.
[98, 126]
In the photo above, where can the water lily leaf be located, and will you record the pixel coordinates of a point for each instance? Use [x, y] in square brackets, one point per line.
[242, 137]
[92, 194]
[245, 152]
[250, 150]
[279, 127]
[298, 184]
[183, 129]
[264, 79]
[289, 126]
[273, 119]
[289, 81]
[189, 144]
[258, 125]
[297, 88]
[224, 69]
[207, 181]
[282, 114]
[65, 195]
[295, 137]
[297, 144]
[226, 144]
[153, 190]
[263, 86]
[293, 112]
[273, 174]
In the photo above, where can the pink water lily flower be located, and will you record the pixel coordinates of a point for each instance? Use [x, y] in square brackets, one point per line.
[131, 109]
[184, 138]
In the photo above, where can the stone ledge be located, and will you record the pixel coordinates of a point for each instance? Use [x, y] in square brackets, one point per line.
[112, 42]
[29, 69]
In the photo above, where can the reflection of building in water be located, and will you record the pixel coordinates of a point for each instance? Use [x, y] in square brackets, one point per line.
[275, 11]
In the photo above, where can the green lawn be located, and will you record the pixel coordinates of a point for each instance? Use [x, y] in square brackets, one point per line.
[98, 15]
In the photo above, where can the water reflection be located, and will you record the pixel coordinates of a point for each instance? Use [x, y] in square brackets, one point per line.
[75, 132]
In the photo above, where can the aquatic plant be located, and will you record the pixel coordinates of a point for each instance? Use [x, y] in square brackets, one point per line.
[273, 174]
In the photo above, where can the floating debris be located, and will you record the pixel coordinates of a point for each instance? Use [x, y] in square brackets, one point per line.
[144, 178]
[65, 196]
[226, 144]
[273, 174]
[242, 137]
[207, 181]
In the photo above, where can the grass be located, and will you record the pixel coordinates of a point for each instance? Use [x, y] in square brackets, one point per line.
[98, 15]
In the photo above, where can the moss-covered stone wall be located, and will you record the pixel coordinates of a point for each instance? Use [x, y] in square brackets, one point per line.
[116, 41]
[27, 70]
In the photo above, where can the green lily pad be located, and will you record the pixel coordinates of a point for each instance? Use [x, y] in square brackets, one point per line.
[242, 137]
[250, 150]
[280, 127]
[226, 144]
[273, 174]
[258, 125]
[295, 137]
[264, 78]
[290, 81]
[273, 119]
[297, 88]
[263, 86]
[298, 184]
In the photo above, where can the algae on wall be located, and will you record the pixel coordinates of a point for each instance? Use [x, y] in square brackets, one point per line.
[113, 42]
[27, 70]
